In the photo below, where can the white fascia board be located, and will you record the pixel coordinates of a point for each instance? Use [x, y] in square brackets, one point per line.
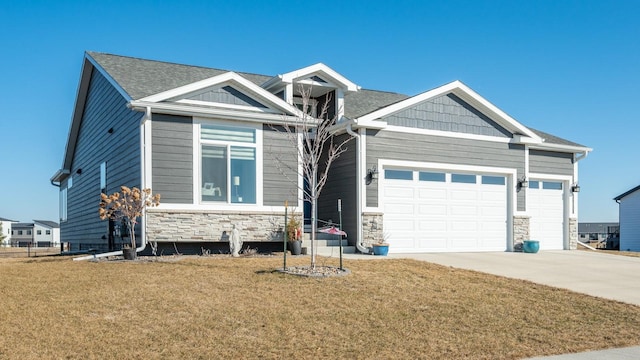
[341, 126]
[465, 93]
[560, 147]
[229, 114]
[525, 140]
[229, 77]
[321, 70]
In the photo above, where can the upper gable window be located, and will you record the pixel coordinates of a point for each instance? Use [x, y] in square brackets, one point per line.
[312, 106]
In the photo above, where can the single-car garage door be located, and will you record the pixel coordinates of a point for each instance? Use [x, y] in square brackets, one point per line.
[545, 205]
[437, 211]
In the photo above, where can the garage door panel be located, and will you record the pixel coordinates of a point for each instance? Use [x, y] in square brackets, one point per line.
[401, 192]
[546, 208]
[463, 210]
[432, 194]
[432, 226]
[464, 195]
[422, 215]
[462, 226]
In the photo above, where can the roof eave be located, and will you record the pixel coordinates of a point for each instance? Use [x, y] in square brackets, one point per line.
[621, 196]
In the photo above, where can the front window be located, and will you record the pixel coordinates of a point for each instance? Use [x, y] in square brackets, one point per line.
[228, 164]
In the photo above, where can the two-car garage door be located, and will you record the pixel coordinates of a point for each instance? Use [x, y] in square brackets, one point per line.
[431, 211]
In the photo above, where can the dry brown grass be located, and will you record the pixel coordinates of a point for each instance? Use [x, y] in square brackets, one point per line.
[238, 308]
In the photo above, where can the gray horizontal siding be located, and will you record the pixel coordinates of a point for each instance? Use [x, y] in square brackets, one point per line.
[447, 113]
[172, 158]
[226, 95]
[548, 162]
[105, 108]
[424, 148]
[279, 168]
[341, 184]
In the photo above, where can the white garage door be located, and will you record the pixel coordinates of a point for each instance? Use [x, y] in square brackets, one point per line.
[431, 211]
[545, 205]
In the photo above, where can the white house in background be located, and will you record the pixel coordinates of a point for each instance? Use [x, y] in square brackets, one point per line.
[39, 233]
[6, 231]
[46, 233]
[629, 211]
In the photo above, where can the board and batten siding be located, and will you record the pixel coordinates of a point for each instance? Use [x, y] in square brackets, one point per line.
[630, 222]
[447, 113]
[105, 108]
[437, 149]
[549, 162]
[341, 184]
[172, 158]
[280, 155]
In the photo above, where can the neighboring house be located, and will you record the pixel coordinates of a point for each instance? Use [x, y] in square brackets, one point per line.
[629, 217]
[444, 170]
[6, 231]
[40, 233]
[604, 234]
[46, 233]
[22, 234]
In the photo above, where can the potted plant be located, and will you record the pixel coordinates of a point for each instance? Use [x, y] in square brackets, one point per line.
[382, 246]
[128, 205]
[294, 235]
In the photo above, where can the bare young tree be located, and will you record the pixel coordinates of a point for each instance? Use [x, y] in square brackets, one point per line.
[313, 139]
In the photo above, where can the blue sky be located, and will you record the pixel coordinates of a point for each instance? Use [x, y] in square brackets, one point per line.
[570, 68]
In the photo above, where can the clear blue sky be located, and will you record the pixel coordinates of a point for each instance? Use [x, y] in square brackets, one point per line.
[570, 68]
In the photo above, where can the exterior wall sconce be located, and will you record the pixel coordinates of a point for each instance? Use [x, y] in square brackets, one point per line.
[575, 188]
[110, 131]
[372, 174]
[522, 182]
[79, 171]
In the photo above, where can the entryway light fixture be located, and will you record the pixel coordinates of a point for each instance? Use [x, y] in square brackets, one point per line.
[372, 174]
[575, 188]
[522, 182]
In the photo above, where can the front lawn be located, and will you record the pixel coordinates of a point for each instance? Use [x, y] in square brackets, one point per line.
[233, 308]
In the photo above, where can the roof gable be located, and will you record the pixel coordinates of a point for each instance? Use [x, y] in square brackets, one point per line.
[225, 90]
[464, 93]
[316, 75]
[447, 112]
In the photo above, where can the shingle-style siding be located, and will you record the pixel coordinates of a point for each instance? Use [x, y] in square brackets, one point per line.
[425, 148]
[172, 158]
[341, 184]
[225, 95]
[280, 156]
[548, 162]
[630, 222]
[105, 108]
[447, 113]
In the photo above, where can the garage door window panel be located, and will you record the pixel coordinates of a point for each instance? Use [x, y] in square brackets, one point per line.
[463, 178]
[398, 174]
[432, 176]
[493, 180]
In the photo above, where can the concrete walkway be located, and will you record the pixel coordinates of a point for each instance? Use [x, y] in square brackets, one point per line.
[613, 277]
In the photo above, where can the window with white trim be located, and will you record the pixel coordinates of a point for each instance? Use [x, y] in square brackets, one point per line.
[228, 164]
[63, 204]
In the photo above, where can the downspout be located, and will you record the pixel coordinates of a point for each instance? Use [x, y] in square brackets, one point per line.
[143, 169]
[359, 245]
[143, 239]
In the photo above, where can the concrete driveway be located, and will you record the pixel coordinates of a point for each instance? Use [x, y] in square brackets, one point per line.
[608, 276]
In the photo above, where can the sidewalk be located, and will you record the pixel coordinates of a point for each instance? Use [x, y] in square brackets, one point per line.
[628, 353]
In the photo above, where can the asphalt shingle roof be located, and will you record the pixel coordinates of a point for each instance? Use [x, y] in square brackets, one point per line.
[140, 78]
[51, 224]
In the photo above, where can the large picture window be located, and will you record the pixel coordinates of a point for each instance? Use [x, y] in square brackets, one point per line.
[228, 164]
